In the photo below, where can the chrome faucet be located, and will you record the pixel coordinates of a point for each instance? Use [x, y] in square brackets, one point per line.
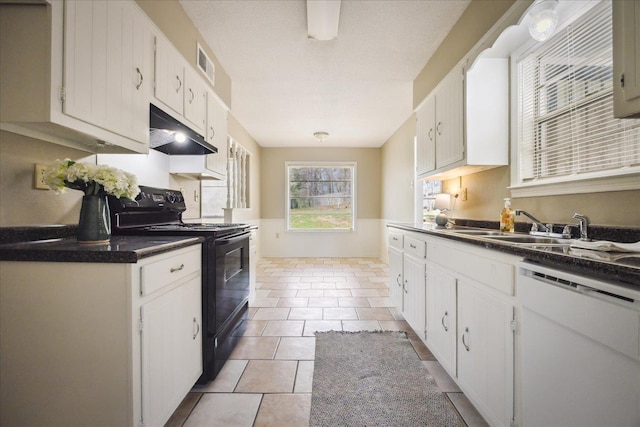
[584, 226]
[537, 225]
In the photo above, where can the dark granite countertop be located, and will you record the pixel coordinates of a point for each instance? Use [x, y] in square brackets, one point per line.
[617, 267]
[121, 249]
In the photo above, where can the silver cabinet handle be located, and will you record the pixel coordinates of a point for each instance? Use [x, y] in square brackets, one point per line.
[405, 288]
[179, 84]
[413, 246]
[438, 128]
[395, 238]
[174, 269]
[140, 78]
[192, 96]
[446, 328]
[399, 280]
[466, 346]
[430, 134]
[213, 132]
[196, 327]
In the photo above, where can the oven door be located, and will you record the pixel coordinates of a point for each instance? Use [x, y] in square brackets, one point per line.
[232, 276]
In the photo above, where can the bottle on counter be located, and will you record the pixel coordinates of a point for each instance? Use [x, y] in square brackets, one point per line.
[507, 217]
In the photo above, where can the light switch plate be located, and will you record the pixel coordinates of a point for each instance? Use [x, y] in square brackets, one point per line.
[38, 177]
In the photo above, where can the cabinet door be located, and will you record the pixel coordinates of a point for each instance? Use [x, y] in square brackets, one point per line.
[171, 350]
[449, 120]
[442, 317]
[195, 100]
[104, 66]
[426, 137]
[485, 352]
[414, 294]
[217, 135]
[626, 59]
[169, 75]
[395, 277]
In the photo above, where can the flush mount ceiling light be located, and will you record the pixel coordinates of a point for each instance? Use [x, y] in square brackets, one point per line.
[543, 19]
[323, 17]
[321, 136]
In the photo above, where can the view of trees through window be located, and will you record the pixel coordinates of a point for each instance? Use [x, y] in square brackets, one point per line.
[320, 197]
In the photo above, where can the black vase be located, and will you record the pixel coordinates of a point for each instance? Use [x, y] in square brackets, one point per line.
[94, 226]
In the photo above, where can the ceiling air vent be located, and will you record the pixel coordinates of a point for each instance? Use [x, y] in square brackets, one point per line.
[205, 65]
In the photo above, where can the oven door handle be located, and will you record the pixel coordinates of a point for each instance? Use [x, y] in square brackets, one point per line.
[232, 239]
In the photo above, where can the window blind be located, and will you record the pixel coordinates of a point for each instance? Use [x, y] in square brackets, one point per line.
[566, 128]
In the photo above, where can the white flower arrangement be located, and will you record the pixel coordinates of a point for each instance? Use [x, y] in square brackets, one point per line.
[91, 179]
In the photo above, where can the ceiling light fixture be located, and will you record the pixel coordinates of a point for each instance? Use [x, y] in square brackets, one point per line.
[321, 136]
[544, 19]
[323, 17]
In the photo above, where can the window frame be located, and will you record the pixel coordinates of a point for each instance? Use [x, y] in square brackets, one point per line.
[624, 178]
[321, 164]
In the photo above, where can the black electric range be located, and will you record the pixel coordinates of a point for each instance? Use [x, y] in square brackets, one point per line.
[225, 265]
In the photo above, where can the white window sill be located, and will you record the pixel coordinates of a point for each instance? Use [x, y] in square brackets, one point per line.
[592, 185]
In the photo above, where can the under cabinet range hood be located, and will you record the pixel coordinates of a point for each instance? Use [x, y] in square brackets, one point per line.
[169, 136]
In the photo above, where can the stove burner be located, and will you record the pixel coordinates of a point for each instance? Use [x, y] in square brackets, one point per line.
[194, 227]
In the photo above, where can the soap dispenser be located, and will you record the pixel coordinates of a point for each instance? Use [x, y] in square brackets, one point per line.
[507, 217]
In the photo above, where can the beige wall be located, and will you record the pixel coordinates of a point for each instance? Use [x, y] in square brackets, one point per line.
[20, 202]
[398, 174]
[474, 23]
[486, 191]
[272, 176]
[173, 21]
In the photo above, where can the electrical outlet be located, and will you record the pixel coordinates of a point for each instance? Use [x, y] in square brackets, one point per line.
[38, 177]
[464, 194]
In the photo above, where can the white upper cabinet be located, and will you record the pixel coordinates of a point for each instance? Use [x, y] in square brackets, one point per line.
[463, 125]
[626, 59]
[77, 73]
[195, 100]
[169, 75]
[107, 56]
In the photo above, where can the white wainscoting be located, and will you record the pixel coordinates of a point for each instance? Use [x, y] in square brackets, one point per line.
[277, 242]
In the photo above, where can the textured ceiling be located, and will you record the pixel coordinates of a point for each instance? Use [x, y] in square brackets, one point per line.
[358, 87]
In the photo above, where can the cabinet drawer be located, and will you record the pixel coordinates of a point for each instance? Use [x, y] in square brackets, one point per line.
[415, 247]
[495, 274]
[396, 240]
[163, 272]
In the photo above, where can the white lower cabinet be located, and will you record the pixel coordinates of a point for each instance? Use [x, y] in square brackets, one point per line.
[414, 293]
[396, 278]
[485, 352]
[442, 317]
[99, 343]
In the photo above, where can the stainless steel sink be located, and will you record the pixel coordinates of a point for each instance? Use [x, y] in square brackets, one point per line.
[531, 240]
[480, 232]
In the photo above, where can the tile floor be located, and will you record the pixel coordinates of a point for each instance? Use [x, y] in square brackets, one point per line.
[267, 381]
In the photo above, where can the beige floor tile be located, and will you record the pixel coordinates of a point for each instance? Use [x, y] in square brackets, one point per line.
[310, 279]
[267, 313]
[340, 313]
[361, 325]
[184, 409]
[306, 293]
[313, 326]
[254, 328]
[444, 381]
[348, 285]
[372, 285]
[365, 293]
[353, 302]
[296, 348]
[225, 409]
[272, 284]
[264, 302]
[292, 302]
[282, 293]
[227, 378]
[262, 293]
[284, 410]
[376, 313]
[283, 328]
[323, 302]
[342, 293]
[381, 302]
[268, 376]
[255, 348]
[394, 325]
[299, 285]
[469, 414]
[304, 377]
[305, 313]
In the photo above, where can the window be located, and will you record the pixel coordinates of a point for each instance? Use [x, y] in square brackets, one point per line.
[320, 196]
[566, 129]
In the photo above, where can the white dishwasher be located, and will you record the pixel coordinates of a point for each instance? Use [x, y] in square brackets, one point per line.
[580, 347]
